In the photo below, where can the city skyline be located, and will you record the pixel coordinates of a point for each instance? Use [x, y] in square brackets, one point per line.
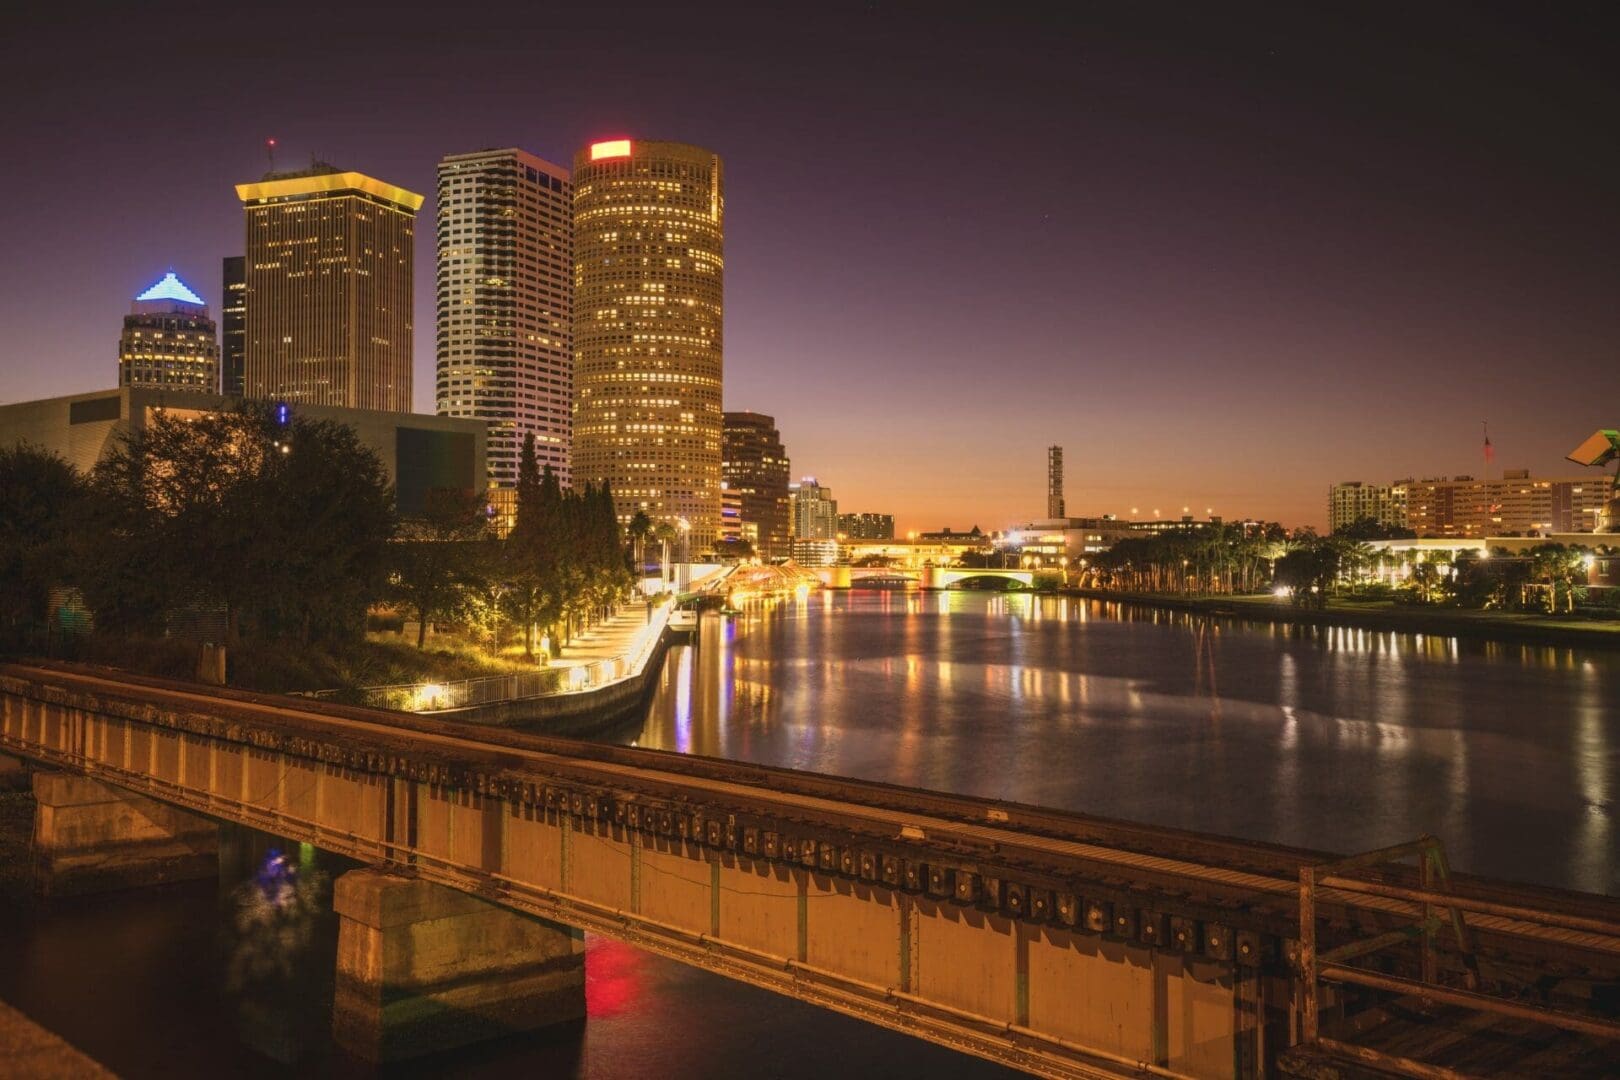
[1331, 284]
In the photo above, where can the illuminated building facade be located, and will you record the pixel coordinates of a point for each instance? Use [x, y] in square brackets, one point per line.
[328, 289]
[1054, 482]
[866, 526]
[815, 511]
[1354, 501]
[169, 341]
[648, 342]
[232, 325]
[505, 304]
[755, 466]
[1517, 504]
[731, 520]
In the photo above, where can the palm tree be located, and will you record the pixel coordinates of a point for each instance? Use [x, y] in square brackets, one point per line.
[640, 529]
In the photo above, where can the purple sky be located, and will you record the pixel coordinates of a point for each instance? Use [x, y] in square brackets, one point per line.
[1225, 261]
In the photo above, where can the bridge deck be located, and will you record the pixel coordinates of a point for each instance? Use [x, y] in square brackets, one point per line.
[914, 854]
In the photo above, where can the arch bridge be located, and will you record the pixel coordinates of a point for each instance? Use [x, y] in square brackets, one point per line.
[926, 577]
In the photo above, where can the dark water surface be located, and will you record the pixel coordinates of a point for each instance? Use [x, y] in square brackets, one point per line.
[1336, 739]
[1319, 737]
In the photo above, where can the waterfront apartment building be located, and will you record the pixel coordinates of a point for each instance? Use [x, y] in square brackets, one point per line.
[754, 465]
[1354, 501]
[866, 526]
[648, 319]
[1467, 507]
[169, 341]
[328, 289]
[232, 325]
[1518, 504]
[505, 304]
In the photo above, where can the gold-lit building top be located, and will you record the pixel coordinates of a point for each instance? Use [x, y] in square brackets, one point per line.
[283, 187]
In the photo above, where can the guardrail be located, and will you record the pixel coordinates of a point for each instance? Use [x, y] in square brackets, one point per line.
[1432, 898]
[429, 697]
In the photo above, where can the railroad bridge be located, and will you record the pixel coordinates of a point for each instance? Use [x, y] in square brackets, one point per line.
[1059, 944]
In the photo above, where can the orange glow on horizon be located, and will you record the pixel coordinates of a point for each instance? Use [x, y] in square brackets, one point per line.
[611, 149]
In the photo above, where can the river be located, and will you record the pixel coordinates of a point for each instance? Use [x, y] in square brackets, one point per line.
[1318, 737]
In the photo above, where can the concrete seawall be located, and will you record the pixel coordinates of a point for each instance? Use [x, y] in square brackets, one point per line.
[576, 715]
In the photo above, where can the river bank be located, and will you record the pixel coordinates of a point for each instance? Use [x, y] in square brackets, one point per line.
[1384, 615]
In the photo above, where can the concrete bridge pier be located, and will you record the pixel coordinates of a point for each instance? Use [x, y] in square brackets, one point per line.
[13, 774]
[90, 837]
[423, 968]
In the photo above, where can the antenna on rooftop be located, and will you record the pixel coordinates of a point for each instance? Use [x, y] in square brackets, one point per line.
[270, 152]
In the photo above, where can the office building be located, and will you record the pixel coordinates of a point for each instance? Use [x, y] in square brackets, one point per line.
[419, 453]
[754, 465]
[866, 526]
[232, 325]
[648, 343]
[505, 304]
[328, 270]
[169, 342]
[1354, 501]
[731, 520]
[1054, 482]
[815, 511]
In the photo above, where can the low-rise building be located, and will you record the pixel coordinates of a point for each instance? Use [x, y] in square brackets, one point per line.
[866, 526]
[420, 453]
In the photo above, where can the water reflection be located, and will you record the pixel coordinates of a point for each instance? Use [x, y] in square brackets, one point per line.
[1321, 736]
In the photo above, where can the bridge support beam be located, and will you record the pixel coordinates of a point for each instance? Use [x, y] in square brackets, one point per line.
[424, 968]
[91, 837]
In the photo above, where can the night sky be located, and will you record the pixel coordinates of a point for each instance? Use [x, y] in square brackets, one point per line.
[1224, 259]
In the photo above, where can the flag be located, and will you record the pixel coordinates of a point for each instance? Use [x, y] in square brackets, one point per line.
[1490, 451]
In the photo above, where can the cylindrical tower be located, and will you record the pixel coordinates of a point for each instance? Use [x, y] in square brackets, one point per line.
[649, 272]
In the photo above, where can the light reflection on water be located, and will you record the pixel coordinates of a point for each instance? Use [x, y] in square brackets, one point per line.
[1329, 737]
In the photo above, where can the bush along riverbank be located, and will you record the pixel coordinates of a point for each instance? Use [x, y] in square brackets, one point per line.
[1386, 615]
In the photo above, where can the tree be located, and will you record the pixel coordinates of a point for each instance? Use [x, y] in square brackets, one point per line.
[1370, 528]
[1309, 569]
[1562, 570]
[285, 523]
[640, 530]
[437, 567]
[521, 553]
[40, 504]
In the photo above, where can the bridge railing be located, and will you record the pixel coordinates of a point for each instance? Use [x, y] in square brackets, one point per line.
[1438, 909]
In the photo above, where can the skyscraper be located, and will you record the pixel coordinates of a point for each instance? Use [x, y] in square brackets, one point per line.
[232, 325]
[815, 511]
[506, 303]
[648, 311]
[329, 289]
[755, 467]
[169, 341]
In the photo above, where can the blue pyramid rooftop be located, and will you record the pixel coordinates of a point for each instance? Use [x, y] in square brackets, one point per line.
[171, 288]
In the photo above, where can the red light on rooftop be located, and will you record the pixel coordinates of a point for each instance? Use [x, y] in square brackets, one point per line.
[611, 149]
